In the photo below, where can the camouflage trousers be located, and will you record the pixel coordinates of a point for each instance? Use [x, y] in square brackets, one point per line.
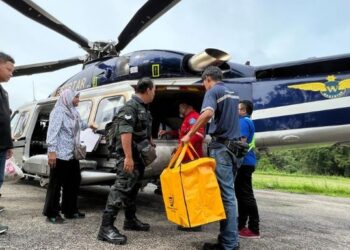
[124, 191]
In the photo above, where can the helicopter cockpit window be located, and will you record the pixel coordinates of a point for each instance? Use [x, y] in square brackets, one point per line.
[21, 124]
[108, 108]
[84, 109]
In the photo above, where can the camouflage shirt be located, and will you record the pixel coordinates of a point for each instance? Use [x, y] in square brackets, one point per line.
[134, 117]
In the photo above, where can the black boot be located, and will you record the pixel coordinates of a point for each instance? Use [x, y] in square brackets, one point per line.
[110, 233]
[135, 224]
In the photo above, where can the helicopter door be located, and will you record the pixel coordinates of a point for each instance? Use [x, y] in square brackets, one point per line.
[19, 123]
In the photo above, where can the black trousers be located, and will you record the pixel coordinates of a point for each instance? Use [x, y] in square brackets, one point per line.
[247, 207]
[124, 191]
[65, 175]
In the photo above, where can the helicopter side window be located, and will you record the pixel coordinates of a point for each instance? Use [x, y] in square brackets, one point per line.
[108, 108]
[21, 124]
[84, 110]
[14, 120]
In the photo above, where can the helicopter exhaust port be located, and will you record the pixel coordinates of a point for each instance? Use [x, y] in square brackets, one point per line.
[206, 58]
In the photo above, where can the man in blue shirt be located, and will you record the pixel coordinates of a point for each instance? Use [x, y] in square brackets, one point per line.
[247, 207]
[221, 105]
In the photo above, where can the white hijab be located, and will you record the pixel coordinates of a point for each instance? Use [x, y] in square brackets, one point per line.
[65, 102]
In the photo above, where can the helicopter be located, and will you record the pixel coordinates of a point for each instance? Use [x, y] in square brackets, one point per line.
[299, 103]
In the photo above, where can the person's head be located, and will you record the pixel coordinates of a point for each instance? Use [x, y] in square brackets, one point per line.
[245, 108]
[185, 108]
[211, 76]
[69, 98]
[145, 89]
[76, 99]
[6, 67]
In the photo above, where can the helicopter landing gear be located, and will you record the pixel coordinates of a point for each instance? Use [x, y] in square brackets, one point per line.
[44, 182]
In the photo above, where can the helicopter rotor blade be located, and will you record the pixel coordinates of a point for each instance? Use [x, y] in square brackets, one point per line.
[30, 69]
[36, 13]
[145, 16]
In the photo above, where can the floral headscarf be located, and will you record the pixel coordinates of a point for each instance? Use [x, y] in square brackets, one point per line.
[65, 102]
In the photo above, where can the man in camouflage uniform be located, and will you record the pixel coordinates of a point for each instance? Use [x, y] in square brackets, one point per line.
[133, 126]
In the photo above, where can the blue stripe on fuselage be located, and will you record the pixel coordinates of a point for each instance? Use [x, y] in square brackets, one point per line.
[306, 120]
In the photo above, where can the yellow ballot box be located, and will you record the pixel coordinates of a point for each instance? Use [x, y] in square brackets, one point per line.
[190, 190]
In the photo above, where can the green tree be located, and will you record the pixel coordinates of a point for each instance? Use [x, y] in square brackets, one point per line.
[333, 160]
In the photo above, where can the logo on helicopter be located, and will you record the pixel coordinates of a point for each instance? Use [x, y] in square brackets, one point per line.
[332, 88]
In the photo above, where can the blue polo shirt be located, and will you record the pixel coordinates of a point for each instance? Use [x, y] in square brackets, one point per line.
[247, 131]
[224, 103]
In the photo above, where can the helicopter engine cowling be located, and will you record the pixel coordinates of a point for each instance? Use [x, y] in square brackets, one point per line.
[200, 61]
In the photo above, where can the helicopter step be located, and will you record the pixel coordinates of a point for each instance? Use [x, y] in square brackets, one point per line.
[36, 167]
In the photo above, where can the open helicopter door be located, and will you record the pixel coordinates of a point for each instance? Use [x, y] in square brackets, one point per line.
[20, 125]
[98, 105]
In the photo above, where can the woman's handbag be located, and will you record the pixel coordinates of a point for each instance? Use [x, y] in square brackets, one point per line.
[80, 152]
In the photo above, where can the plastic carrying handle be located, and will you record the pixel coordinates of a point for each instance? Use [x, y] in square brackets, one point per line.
[180, 154]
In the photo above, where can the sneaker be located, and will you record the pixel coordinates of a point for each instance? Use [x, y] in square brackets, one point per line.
[248, 234]
[2, 209]
[3, 229]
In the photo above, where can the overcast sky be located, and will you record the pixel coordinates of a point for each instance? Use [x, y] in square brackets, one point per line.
[262, 31]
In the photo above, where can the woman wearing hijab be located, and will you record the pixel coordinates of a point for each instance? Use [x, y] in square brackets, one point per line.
[62, 137]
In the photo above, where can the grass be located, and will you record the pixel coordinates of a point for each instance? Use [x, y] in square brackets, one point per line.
[304, 184]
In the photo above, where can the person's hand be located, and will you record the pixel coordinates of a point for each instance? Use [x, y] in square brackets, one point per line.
[174, 151]
[128, 164]
[52, 159]
[9, 153]
[93, 126]
[162, 132]
[185, 139]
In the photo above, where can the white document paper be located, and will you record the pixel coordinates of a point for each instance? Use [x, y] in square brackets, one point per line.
[89, 139]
